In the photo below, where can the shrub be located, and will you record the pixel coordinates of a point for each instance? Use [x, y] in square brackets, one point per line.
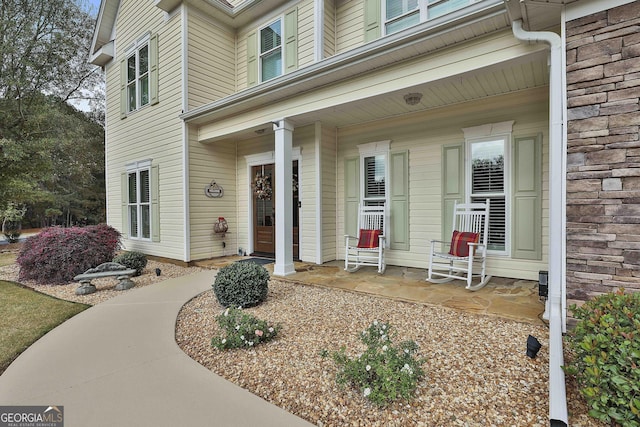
[134, 260]
[241, 284]
[383, 373]
[242, 330]
[605, 356]
[56, 255]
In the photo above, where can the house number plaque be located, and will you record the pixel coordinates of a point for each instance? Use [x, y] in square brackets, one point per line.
[213, 190]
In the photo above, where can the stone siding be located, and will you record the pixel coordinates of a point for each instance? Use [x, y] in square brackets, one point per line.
[603, 159]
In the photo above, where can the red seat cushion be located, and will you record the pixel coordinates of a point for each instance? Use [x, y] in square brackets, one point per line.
[460, 243]
[369, 239]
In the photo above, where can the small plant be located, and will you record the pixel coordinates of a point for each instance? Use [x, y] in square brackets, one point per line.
[605, 356]
[384, 372]
[133, 260]
[56, 255]
[242, 329]
[241, 284]
[12, 222]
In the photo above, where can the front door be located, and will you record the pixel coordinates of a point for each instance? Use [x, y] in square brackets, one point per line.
[264, 216]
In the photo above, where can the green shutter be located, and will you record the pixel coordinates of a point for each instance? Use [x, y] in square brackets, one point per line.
[351, 195]
[372, 16]
[527, 198]
[291, 40]
[123, 89]
[155, 204]
[452, 185]
[399, 200]
[153, 70]
[124, 191]
[252, 59]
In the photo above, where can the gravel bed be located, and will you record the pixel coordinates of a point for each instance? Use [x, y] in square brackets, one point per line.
[477, 372]
[105, 288]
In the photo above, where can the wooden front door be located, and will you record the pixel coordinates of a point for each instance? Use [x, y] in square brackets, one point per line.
[264, 218]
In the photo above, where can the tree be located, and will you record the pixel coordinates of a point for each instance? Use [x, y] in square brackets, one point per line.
[51, 156]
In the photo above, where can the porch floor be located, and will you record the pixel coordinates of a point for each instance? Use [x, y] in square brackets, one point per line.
[509, 298]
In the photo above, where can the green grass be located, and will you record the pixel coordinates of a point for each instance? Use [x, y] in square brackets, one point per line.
[25, 316]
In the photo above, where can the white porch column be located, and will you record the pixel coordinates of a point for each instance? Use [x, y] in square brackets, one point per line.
[284, 198]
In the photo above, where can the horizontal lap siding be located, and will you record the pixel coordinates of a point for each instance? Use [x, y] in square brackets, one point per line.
[305, 139]
[154, 132]
[423, 135]
[211, 58]
[208, 162]
[349, 25]
[306, 33]
[329, 29]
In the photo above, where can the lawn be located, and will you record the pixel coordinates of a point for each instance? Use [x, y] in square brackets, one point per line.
[25, 316]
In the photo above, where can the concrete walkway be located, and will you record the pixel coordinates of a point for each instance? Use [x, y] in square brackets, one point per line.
[117, 364]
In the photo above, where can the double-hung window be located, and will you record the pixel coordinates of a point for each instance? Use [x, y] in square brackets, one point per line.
[271, 51]
[487, 167]
[139, 200]
[138, 77]
[374, 167]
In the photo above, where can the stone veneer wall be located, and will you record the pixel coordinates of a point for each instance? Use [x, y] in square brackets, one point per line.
[603, 167]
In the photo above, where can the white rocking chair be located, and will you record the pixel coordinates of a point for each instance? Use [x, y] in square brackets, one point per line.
[368, 248]
[468, 248]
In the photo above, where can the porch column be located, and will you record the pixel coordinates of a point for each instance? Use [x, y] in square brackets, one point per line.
[284, 196]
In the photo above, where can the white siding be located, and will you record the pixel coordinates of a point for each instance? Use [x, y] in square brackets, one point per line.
[329, 28]
[349, 24]
[211, 56]
[208, 162]
[154, 132]
[424, 134]
[329, 209]
[306, 43]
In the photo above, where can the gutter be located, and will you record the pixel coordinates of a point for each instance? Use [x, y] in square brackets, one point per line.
[558, 415]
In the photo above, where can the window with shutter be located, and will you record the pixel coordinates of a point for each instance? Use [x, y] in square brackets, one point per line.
[487, 180]
[271, 51]
[374, 180]
[139, 200]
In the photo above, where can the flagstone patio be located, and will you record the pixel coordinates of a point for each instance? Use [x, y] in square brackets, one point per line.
[509, 298]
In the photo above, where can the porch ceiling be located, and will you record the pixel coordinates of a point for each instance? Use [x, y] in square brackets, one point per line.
[514, 76]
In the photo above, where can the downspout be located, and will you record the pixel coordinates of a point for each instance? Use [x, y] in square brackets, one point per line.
[558, 415]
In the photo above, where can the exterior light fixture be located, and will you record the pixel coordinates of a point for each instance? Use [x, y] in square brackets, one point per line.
[260, 131]
[533, 346]
[413, 98]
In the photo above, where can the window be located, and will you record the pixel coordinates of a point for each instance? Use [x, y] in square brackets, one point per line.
[271, 51]
[139, 200]
[373, 158]
[401, 14]
[138, 78]
[488, 180]
[139, 75]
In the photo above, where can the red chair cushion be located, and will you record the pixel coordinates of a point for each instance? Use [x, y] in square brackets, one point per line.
[460, 243]
[369, 239]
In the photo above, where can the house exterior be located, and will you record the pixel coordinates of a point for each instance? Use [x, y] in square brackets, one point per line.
[283, 116]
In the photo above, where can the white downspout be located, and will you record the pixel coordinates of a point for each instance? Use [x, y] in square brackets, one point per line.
[558, 415]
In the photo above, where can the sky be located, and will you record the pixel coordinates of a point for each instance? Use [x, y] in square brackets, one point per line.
[94, 6]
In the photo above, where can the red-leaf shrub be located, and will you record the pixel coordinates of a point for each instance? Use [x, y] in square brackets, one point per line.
[56, 255]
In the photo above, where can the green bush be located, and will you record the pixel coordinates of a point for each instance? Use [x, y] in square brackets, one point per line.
[242, 330]
[384, 372]
[605, 356]
[241, 284]
[133, 260]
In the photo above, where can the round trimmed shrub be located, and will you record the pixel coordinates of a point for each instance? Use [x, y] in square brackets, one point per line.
[56, 255]
[134, 260]
[241, 284]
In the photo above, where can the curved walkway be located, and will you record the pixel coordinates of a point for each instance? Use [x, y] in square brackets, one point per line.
[117, 364]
